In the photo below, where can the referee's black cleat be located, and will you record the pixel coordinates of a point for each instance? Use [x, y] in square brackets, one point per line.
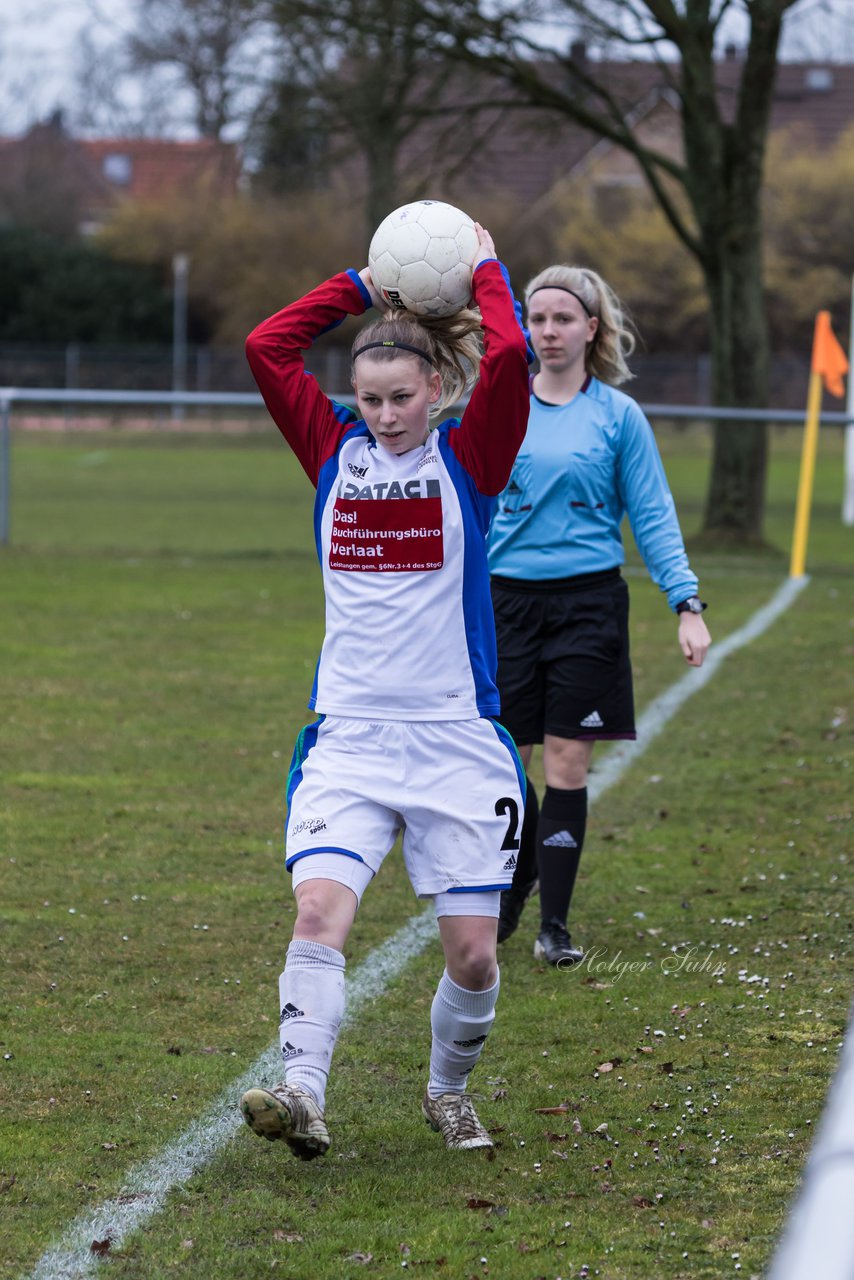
[554, 945]
[512, 904]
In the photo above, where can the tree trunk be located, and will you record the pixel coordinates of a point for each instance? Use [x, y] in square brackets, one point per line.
[735, 502]
[382, 192]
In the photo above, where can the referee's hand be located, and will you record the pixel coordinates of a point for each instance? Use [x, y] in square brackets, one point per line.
[694, 638]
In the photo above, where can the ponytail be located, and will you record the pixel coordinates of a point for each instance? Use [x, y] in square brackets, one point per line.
[450, 345]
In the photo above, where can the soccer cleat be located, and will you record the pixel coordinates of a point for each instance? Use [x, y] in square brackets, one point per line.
[289, 1112]
[453, 1115]
[554, 945]
[512, 904]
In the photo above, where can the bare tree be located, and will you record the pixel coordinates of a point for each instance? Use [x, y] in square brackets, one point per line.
[365, 68]
[710, 194]
[212, 48]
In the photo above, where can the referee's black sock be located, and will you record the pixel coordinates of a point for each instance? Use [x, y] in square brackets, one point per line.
[526, 861]
[560, 839]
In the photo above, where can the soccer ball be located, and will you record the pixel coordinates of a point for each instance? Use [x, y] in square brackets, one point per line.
[421, 258]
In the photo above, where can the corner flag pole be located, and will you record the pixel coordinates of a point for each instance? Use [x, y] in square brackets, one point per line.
[827, 366]
[805, 479]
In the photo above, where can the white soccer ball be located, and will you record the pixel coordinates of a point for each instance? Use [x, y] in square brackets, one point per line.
[421, 258]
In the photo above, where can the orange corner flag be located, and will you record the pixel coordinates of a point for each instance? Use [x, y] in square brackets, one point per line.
[828, 358]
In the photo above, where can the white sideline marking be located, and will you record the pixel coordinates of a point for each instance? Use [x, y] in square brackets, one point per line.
[148, 1184]
[665, 706]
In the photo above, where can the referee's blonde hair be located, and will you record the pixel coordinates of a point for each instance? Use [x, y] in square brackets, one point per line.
[614, 340]
[452, 345]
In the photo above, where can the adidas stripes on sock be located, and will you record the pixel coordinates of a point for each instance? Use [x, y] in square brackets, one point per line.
[461, 1021]
[526, 861]
[560, 840]
[311, 991]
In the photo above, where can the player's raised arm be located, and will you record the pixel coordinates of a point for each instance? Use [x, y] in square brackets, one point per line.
[309, 421]
[496, 417]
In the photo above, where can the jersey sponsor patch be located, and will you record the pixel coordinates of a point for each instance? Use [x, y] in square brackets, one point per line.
[387, 536]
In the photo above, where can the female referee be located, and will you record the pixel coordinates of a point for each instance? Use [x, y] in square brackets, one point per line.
[561, 605]
[405, 690]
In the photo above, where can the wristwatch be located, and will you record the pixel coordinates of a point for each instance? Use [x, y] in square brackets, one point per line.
[692, 605]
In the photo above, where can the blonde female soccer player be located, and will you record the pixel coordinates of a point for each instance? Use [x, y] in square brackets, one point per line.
[406, 737]
[561, 605]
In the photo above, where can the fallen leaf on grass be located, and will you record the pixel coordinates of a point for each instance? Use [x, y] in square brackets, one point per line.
[289, 1237]
[641, 1202]
[359, 1257]
[109, 1146]
[474, 1203]
[666, 1067]
[646, 1048]
[559, 1110]
[101, 1248]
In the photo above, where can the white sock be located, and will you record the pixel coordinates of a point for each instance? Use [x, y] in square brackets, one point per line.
[311, 991]
[461, 1021]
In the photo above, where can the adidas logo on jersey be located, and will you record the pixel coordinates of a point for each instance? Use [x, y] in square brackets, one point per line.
[561, 840]
[510, 864]
[290, 1011]
[289, 1050]
[593, 721]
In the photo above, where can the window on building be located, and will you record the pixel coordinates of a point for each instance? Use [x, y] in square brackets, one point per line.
[118, 168]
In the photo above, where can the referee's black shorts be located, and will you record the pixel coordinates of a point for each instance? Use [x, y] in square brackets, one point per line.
[563, 657]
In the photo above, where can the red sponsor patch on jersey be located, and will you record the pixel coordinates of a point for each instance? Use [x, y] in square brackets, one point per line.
[401, 535]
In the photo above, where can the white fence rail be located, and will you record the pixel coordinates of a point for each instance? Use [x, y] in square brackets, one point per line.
[177, 401]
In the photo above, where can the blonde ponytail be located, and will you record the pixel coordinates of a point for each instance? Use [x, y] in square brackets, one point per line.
[452, 345]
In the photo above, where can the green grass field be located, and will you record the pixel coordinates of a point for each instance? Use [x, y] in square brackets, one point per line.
[160, 622]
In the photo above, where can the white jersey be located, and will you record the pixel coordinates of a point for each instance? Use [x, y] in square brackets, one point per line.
[401, 539]
[409, 631]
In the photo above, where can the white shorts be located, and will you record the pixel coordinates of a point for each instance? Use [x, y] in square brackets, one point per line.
[454, 787]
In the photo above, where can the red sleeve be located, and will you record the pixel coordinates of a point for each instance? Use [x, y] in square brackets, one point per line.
[308, 420]
[496, 417]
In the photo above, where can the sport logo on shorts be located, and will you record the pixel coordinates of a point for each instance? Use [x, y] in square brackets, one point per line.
[311, 825]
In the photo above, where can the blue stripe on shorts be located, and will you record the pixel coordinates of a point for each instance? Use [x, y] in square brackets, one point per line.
[323, 848]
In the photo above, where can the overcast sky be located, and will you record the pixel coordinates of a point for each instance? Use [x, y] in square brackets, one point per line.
[40, 54]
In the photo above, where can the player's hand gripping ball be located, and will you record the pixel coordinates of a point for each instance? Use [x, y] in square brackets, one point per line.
[421, 258]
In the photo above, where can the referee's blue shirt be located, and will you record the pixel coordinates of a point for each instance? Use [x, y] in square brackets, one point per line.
[581, 468]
